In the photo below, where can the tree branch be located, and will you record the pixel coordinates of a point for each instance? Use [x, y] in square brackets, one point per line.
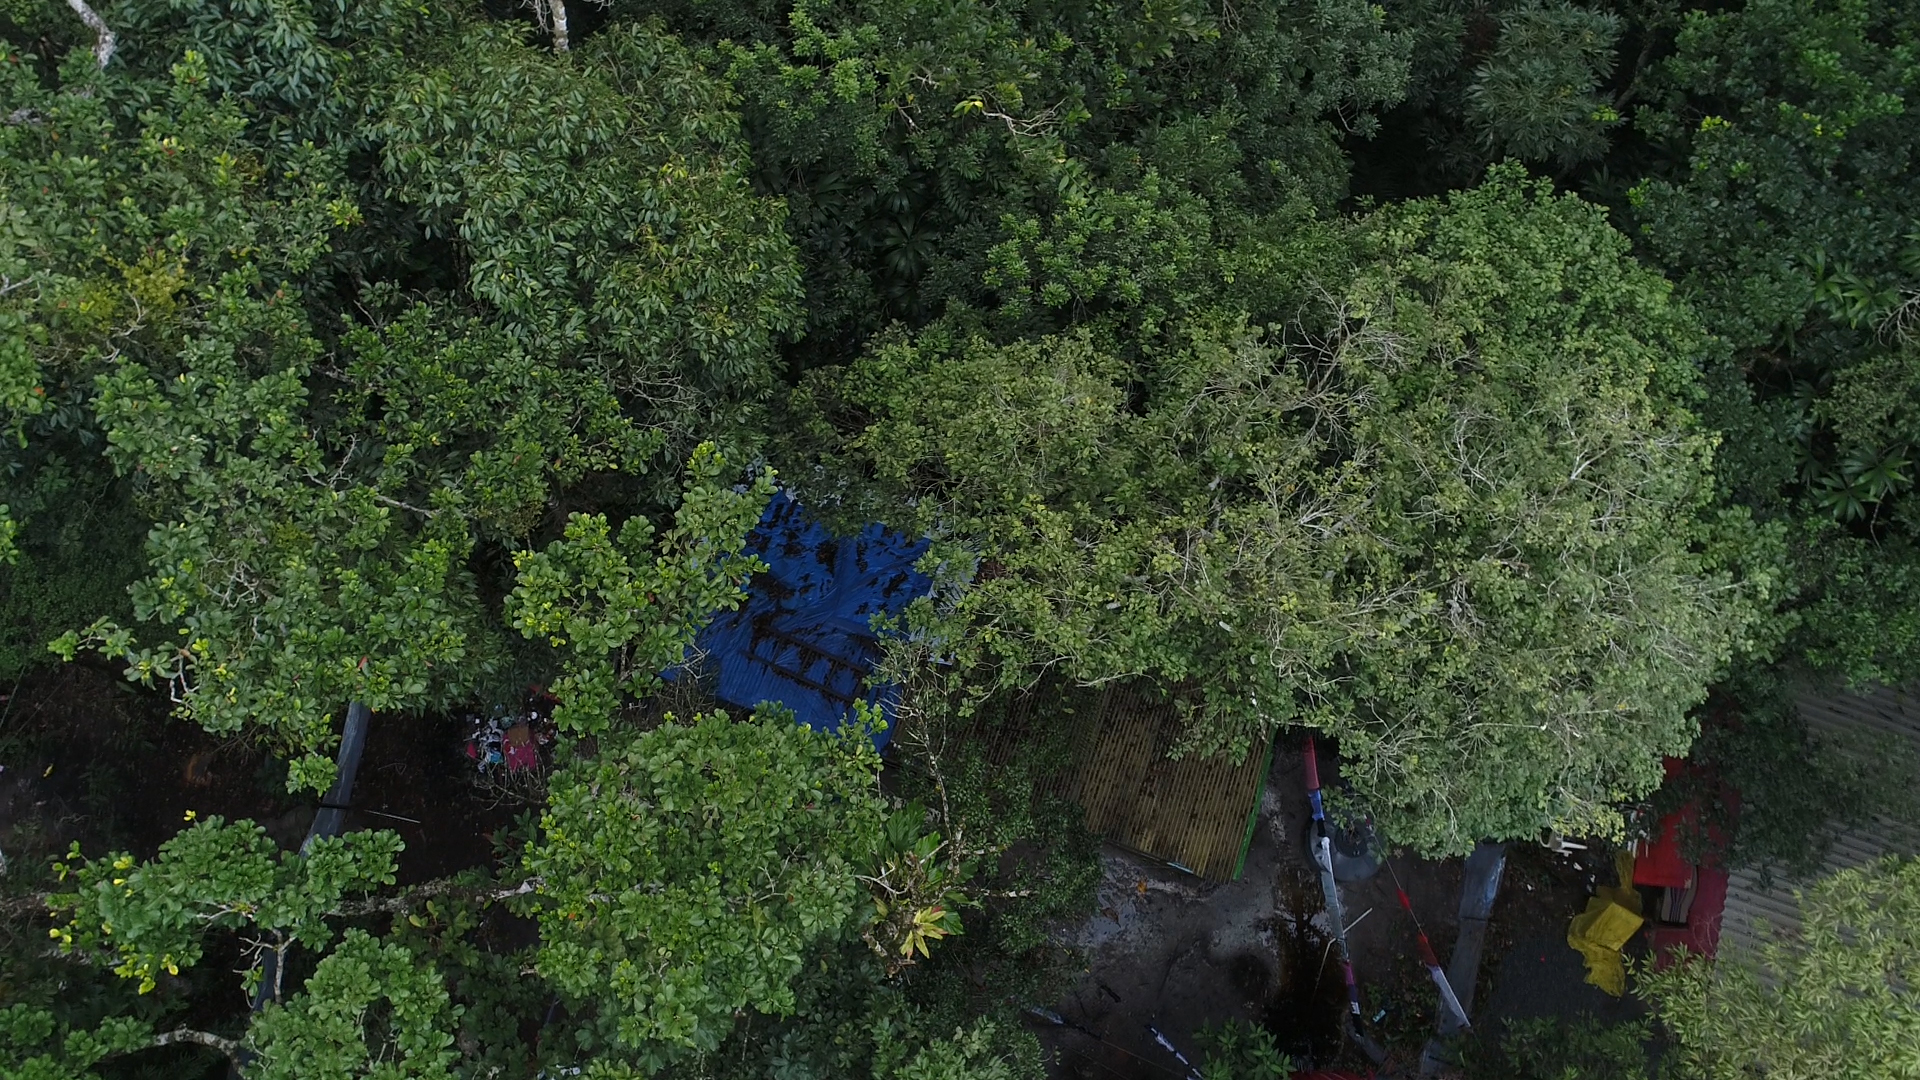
[229, 1047]
[393, 905]
[14, 907]
[103, 45]
[397, 504]
[1632, 89]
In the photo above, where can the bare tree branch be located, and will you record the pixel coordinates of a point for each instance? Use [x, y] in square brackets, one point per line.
[103, 45]
[1902, 324]
[405, 506]
[24, 906]
[414, 897]
[229, 1047]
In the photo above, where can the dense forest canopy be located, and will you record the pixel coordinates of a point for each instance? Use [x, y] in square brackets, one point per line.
[1482, 385]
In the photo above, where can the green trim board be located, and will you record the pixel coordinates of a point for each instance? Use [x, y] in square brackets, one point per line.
[1253, 815]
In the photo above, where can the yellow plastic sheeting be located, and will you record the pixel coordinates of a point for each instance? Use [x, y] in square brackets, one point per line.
[1600, 932]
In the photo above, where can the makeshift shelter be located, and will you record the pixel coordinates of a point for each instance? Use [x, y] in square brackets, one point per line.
[1699, 906]
[804, 637]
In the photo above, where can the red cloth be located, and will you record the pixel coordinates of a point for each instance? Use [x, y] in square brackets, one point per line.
[1701, 934]
[1658, 861]
[522, 756]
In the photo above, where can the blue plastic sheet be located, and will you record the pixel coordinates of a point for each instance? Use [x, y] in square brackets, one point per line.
[804, 638]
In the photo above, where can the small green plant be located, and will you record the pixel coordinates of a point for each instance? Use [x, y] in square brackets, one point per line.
[1239, 1050]
[917, 889]
[1845, 296]
[1584, 1048]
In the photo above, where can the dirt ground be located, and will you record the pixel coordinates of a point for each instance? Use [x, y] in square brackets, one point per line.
[85, 757]
[1174, 953]
[1531, 972]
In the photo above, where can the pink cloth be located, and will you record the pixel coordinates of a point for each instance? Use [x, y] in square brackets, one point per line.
[525, 756]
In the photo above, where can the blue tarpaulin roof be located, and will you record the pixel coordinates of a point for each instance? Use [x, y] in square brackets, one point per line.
[804, 636]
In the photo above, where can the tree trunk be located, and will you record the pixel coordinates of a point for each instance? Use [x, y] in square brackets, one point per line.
[333, 807]
[557, 15]
[229, 1047]
[327, 823]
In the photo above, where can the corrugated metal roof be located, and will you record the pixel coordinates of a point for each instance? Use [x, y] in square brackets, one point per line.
[804, 636]
[1879, 714]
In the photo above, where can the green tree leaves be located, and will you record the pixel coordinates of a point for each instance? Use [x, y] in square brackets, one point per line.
[320, 502]
[389, 322]
[291, 585]
[151, 917]
[469, 422]
[691, 871]
[623, 618]
[371, 1010]
[34, 1045]
[602, 203]
[109, 233]
[912, 139]
[1537, 95]
[1802, 148]
[1791, 229]
[1458, 520]
[1541, 476]
[1836, 996]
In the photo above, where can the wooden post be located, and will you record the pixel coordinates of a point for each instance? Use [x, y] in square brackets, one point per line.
[333, 806]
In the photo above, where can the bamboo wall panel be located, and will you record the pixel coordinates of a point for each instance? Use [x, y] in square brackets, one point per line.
[1192, 812]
